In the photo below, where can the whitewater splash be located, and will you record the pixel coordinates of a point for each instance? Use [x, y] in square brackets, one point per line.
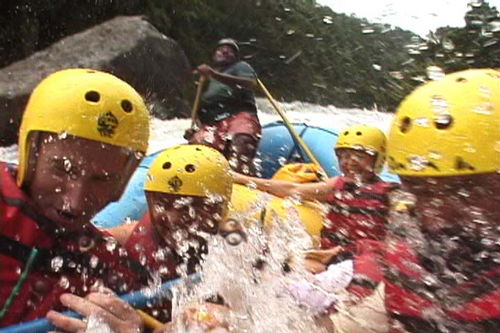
[253, 277]
[167, 133]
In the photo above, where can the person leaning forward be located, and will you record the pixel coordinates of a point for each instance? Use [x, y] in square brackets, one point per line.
[188, 189]
[82, 135]
[439, 265]
[228, 113]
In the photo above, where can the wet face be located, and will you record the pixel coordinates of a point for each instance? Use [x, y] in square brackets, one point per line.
[71, 179]
[456, 203]
[355, 163]
[178, 219]
[224, 55]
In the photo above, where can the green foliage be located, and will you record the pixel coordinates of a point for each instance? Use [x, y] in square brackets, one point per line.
[301, 50]
[477, 45]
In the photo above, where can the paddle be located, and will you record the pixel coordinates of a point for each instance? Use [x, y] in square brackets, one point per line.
[137, 299]
[297, 138]
[194, 111]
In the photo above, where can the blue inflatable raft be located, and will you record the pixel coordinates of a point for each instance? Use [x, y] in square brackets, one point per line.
[276, 148]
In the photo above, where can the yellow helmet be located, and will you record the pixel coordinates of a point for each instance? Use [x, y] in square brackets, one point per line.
[449, 127]
[85, 103]
[193, 170]
[366, 138]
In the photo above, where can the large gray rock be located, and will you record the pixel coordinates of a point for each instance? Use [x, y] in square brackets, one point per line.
[129, 47]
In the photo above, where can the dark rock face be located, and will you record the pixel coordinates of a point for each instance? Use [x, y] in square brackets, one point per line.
[129, 47]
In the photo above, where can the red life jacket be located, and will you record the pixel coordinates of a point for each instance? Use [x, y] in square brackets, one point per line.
[80, 261]
[411, 298]
[144, 246]
[356, 212]
[368, 271]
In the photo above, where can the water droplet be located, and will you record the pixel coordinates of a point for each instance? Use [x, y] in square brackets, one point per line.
[418, 163]
[85, 243]
[377, 67]
[122, 252]
[422, 121]
[497, 146]
[111, 244]
[435, 155]
[64, 282]
[94, 261]
[67, 164]
[485, 108]
[367, 30]
[469, 148]
[439, 105]
[327, 20]
[443, 121]
[448, 44]
[234, 238]
[56, 263]
[490, 42]
[397, 75]
[435, 73]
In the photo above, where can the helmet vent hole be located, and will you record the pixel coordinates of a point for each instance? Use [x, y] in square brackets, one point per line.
[346, 133]
[190, 168]
[127, 106]
[167, 165]
[92, 96]
[405, 125]
[443, 121]
[198, 149]
[359, 133]
[462, 80]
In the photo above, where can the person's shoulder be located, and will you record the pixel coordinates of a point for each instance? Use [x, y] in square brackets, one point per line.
[241, 64]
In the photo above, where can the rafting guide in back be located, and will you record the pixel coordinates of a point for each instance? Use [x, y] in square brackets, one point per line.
[227, 117]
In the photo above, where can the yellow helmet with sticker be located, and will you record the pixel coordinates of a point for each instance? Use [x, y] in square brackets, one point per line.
[366, 138]
[85, 103]
[449, 127]
[192, 170]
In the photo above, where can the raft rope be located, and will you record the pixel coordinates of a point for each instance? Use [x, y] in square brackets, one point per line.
[20, 282]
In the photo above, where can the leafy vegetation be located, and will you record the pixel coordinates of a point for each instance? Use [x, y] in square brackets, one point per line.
[301, 50]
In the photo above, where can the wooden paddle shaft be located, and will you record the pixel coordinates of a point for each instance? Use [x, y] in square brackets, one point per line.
[288, 125]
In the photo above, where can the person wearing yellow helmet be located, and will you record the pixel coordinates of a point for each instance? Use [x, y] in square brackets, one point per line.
[358, 201]
[82, 135]
[358, 210]
[439, 268]
[188, 189]
[444, 144]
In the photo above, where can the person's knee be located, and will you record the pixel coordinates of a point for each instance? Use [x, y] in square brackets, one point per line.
[241, 152]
